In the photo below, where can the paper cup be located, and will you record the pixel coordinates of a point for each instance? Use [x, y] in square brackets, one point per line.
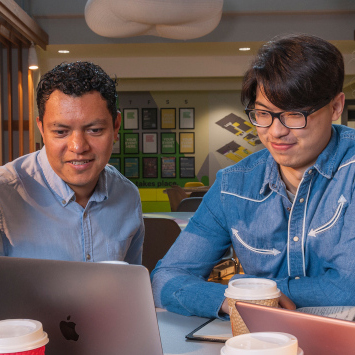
[263, 343]
[258, 291]
[22, 337]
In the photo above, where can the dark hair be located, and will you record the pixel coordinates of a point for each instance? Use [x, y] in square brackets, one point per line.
[295, 72]
[76, 79]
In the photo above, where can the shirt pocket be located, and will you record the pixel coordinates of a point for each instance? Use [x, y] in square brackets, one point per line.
[332, 221]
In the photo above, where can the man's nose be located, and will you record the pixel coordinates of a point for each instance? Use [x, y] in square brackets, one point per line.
[277, 129]
[78, 143]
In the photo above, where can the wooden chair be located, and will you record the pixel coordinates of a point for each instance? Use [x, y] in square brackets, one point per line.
[189, 204]
[176, 194]
[160, 235]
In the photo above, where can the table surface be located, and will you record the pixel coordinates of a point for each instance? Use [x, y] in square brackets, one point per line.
[173, 329]
[181, 218]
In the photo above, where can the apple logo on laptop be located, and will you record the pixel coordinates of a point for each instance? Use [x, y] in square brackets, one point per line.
[68, 329]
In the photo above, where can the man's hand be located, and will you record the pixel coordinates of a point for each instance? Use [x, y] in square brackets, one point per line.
[284, 302]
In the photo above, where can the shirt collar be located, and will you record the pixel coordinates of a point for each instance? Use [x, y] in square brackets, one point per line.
[325, 165]
[63, 192]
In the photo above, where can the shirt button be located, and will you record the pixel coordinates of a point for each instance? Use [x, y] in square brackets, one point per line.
[302, 200]
[88, 257]
[297, 278]
[296, 239]
[85, 214]
[63, 202]
[288, 209]
[310, 172]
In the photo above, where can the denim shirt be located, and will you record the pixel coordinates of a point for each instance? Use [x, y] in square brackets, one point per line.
[307, 247]
[39, 217]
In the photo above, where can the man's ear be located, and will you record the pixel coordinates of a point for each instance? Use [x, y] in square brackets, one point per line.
[117, 124]
[40, 127]
[338, 106]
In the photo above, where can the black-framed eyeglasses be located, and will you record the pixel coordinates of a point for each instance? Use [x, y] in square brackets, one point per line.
[290, 119]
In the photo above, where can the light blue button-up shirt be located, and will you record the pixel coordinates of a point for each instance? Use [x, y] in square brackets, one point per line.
[39, 217]
[307, 247]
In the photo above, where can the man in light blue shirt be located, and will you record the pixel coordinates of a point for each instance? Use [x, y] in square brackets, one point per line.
[64, 202]
[289, 209]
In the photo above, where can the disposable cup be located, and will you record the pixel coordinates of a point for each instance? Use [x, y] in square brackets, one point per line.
[22, 337]
[259, 291]
[263, 343]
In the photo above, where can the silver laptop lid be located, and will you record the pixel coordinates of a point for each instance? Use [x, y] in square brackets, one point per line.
[86, 308]
[315, 334]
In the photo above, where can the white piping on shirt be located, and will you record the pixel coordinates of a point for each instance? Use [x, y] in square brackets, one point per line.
[332, 221]
[260, 251]
[304, 227]
[245, 198]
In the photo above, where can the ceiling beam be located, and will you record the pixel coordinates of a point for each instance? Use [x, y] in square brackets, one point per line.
[23, 23]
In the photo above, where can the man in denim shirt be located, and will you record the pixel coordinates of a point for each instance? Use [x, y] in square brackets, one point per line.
[64, 202]
[287, 210]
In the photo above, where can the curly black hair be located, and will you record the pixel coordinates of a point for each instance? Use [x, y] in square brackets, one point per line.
[76, 79]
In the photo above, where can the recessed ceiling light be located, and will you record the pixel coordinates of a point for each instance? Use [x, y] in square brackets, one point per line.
[244, 49]
[63, 51]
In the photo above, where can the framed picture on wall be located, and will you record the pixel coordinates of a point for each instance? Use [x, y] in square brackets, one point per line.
[131, 168]
[150, 167]
[168, 118]
[168, 167]
[130, 118]
[116, 149]
[187, 142]
[150, 143]
[168, 143]
[149, 118]
[187, 118]
[131, 143]
[115, 161]
[187, 167]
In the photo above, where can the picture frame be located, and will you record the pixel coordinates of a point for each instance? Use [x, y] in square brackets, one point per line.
[168, 142]
[150, 143]
[130, 118]
[187, 142]
[149, 118]
[168, 118]
[131, 143]
[187, 167]
[115, 161]
[131, 167]
[187, 118]
[150, 167]
[116, 149]
[168, 167]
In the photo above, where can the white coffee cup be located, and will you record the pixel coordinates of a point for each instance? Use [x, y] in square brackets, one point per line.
[252, 290]
[263, 343]
[22, 336]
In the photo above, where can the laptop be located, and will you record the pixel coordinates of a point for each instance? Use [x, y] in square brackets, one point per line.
[86, 308]
[315, 334]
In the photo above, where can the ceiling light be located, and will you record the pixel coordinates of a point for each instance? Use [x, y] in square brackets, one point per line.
[63, 51]
[244, 49]
[32, 58]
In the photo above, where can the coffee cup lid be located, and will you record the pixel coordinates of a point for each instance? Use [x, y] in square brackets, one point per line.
[252, 289]
[263, 343]
[21, 335]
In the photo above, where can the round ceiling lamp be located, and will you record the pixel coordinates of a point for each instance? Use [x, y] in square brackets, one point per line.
[175, 19]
